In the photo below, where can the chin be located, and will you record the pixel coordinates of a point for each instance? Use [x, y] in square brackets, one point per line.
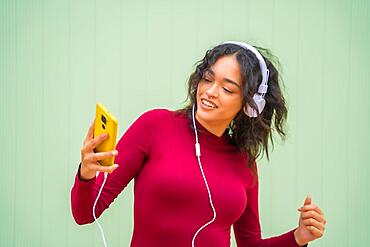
[208, 115]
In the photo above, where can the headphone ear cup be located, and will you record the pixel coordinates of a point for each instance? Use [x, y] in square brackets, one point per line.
[249, 111]
[260, 102]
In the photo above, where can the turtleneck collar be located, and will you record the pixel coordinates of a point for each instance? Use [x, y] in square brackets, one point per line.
[210, 137]
[207, 139]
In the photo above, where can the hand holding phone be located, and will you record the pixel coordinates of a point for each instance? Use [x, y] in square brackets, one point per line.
[105, 123]
[98, 151]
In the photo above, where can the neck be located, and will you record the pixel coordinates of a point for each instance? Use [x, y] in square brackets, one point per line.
[215, 128]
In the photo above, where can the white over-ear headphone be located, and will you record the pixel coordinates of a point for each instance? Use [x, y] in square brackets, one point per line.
[259, 97]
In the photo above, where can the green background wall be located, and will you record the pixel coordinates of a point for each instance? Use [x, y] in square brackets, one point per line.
[58, 58]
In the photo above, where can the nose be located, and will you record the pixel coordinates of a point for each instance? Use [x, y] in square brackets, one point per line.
[212, 91]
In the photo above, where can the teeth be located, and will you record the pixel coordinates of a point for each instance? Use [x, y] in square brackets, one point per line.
[208, 103]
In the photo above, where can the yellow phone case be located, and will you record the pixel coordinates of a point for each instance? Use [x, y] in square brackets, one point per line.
[105, 122]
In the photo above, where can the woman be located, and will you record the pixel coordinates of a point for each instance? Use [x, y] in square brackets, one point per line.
[193, 195]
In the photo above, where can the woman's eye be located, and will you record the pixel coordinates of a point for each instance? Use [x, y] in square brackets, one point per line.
[226, 90]
[207, 80]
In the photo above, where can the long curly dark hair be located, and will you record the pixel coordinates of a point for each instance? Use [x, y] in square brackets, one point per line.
[250, 135]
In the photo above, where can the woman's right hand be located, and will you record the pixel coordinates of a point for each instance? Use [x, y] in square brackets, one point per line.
[89, 159]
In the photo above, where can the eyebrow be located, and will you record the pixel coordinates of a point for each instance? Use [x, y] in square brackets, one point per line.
[225, 79]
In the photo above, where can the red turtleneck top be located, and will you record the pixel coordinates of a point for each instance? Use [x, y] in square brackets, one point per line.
[170, 197]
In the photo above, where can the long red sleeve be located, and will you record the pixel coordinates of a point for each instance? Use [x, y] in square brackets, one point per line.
[133, 148]
[171, 201]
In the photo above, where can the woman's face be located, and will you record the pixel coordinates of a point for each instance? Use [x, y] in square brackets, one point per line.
[219, 94]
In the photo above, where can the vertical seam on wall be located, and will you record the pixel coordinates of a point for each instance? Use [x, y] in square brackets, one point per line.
[43, 115]
[296, 97]
[95, 35]
[171, 79]
[69, 106]
[16, 116]
[323, 76]
[348, 118]
[146, 53]
[120, 58]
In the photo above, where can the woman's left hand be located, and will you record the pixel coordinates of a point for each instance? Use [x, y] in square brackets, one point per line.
[311, 223]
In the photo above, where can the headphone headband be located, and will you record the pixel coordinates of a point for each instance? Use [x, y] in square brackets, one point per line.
[262, 89]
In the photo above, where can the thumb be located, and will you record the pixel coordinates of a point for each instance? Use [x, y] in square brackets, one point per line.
[308, 200]
[114, 167]
[110, 169]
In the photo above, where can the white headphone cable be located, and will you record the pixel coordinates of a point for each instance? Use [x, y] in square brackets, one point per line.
[96, 200]
[197, 152]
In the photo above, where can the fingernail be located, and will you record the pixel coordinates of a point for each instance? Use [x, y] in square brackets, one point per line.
[114, 152]
[115, 166]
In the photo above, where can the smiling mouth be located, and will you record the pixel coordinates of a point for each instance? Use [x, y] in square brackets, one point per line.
[208, 104]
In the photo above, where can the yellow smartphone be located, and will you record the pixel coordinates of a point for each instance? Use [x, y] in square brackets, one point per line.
[105, 122]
